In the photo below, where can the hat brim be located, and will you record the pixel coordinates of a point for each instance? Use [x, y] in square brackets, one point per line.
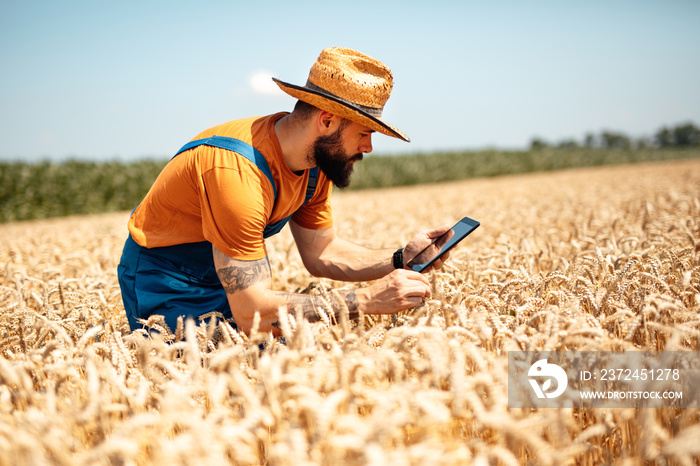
[340, 107]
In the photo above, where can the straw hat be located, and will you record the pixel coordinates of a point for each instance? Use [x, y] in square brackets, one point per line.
[348, 84]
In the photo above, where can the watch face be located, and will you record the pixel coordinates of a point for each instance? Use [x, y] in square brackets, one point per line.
[398, 259]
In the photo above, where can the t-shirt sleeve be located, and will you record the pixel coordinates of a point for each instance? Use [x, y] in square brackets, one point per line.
[316, 214]
[234, 212]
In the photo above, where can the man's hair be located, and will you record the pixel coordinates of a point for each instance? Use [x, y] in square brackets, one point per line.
[304, 111]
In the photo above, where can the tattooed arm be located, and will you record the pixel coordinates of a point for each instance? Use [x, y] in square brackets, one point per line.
[248, 289]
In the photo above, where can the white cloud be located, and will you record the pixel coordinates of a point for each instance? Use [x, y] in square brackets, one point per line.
[261, 83]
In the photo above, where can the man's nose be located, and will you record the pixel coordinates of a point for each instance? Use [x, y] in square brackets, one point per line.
[366, 146]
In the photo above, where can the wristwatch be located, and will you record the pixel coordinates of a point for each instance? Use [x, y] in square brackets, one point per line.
[398, 259]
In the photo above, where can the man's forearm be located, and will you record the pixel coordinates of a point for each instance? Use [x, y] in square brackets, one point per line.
[313, 307]
[247, 286]
[326, 255]
[346, 261]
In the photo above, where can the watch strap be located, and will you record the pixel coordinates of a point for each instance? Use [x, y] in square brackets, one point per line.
[398, 259]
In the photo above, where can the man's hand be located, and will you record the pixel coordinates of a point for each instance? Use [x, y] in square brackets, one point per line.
[421, 241]
[400, 290]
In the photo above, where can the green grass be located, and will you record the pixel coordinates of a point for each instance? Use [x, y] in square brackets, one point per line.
[46, 189]
[388, 171]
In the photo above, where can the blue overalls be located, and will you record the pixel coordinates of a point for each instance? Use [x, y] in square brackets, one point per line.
[181, 280]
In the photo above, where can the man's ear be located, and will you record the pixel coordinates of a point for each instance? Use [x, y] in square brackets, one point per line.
[326, 122]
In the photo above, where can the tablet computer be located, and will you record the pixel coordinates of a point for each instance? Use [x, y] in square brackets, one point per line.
[443, 244]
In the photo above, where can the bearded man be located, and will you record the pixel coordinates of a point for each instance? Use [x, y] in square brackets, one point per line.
[196, 243]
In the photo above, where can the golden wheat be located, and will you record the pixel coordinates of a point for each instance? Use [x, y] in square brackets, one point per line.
[594, 259]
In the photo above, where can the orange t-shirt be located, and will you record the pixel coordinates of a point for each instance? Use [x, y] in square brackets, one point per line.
[216, 195]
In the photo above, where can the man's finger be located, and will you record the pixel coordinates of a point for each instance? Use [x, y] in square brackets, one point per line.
[411, 275]
[438, 232]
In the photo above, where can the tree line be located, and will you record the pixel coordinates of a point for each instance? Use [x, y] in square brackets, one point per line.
[50, 189]
[680, 136]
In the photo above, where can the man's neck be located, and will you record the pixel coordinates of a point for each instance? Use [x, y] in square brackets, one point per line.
[294, 141]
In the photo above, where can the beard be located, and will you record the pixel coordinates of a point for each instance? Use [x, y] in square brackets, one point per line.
[331, 158]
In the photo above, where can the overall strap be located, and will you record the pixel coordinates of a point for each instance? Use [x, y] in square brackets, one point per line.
[310, 190]
[311, 186]
[240, 147]
[254, 155]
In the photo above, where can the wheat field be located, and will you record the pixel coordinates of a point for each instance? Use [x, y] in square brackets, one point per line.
[590, 259]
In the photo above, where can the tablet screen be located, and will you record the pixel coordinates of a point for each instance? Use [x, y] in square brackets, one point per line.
[443, 244]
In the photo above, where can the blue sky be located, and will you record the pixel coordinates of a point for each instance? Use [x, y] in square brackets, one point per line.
[131, 79]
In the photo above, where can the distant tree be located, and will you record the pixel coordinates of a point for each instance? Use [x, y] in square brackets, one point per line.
[538, 144]
[686, 135]
[683, 135]
[611, 140]
[589, 140]
[567, 144]
[664, 137]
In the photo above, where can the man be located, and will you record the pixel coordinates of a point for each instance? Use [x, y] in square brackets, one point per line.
[197, 241]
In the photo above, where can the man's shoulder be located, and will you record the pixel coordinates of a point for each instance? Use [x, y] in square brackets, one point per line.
[239, 129]
[243, 129]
